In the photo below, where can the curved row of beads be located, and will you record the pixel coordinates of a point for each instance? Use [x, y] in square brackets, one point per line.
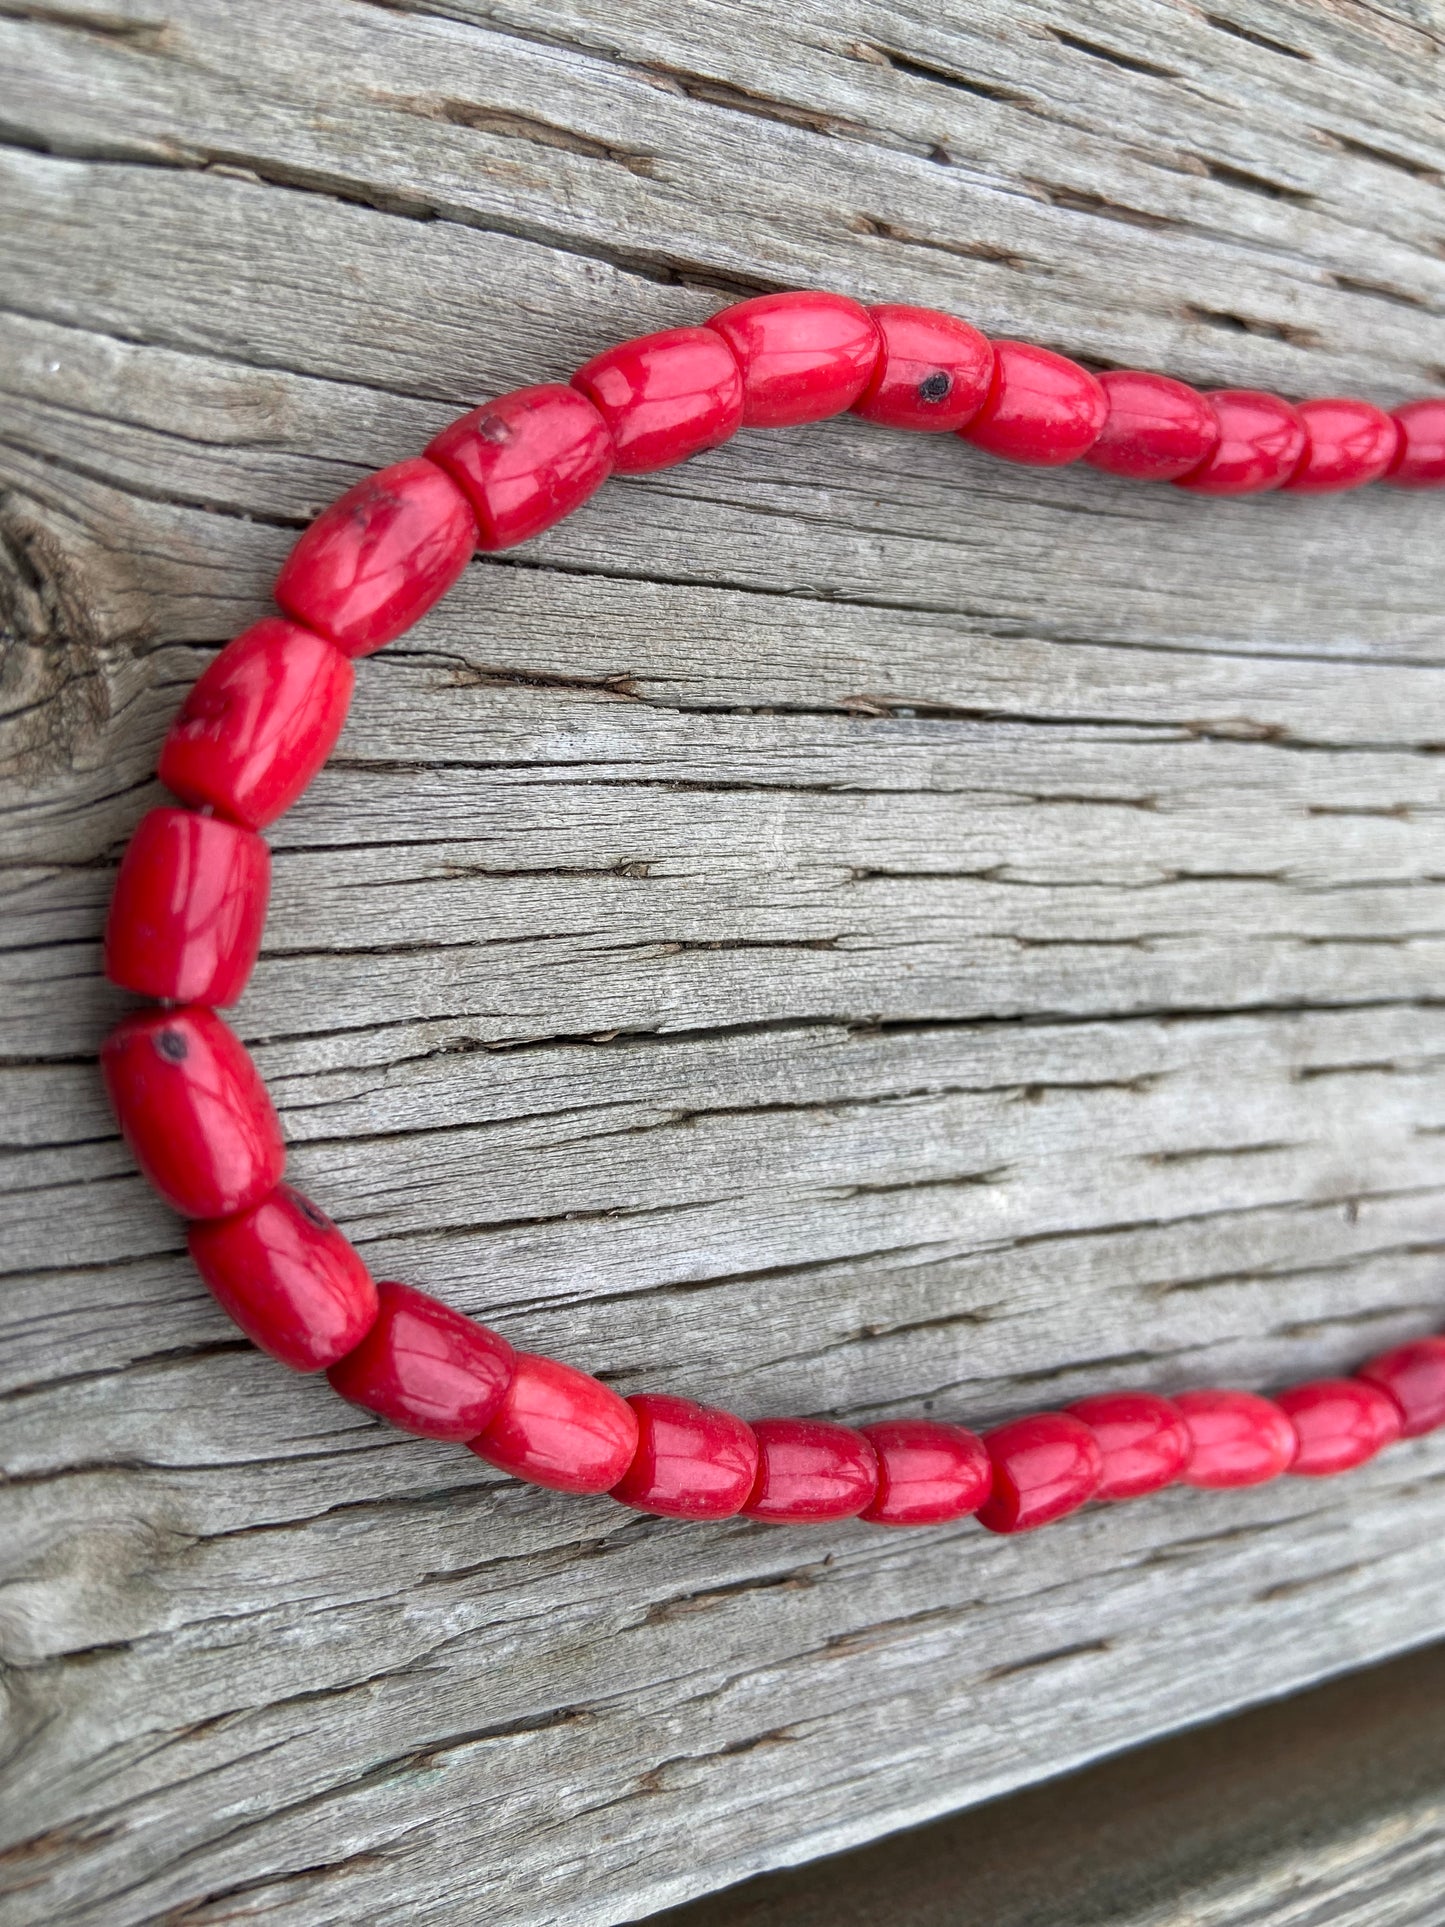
[190, 900]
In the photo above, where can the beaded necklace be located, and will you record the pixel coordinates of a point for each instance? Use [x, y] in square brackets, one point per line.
[190, 900]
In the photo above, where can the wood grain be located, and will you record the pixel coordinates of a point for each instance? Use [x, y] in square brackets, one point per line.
[1327, 1807]
[843, 926]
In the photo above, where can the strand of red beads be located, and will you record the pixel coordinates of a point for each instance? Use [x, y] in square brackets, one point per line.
[190, 899]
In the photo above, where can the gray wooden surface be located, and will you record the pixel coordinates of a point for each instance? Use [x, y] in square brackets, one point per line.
[843, 926]
[1324, 1810]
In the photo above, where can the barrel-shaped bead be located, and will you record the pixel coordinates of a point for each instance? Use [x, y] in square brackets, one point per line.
[374, 562]
[803, 355]
[288, 1278]
[1261, 440]
[1041, 407]
[1156, 428]
[1143, 1438]
[192, 1108]
[1044, 1467]
[188, 908]
[1236, 1438]
[1414, 1376]
[664, 397]
[1339, 1423]
[426, 1368]
[258, 722]
[932, 373]
[560, 1428]
[1348, 444]
[811, 1471]
[928, 1472]
[1420, 458]
[525, 460]
[691, 1462]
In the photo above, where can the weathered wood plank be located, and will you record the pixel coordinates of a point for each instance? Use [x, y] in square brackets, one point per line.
[842, 926]
[626, 155]
[1329, 1807]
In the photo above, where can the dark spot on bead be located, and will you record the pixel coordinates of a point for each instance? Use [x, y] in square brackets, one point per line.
[172, 1046]
[935, 387]
[493, 428]
[371, 498]
[312, 1213]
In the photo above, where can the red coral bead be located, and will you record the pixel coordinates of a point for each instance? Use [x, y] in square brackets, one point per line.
[1044, 1466]
[193, 1109]
[188, 908]
[1156, 429]
[927, 1472]
[525, 460]
[1236, 1438]
[374, 562]
[1339, 1422]
[559, 1428]
[1144, 1441]
[933, 372]
[810, 1471]
[803, 356]
[691, 1462]
[1349, 443]
[288, 1278]
[1261, 440]
[664, 397]
[1420, 458]
[1041, 407]
[425, 1367]
[1414, 1376]
[258, 723]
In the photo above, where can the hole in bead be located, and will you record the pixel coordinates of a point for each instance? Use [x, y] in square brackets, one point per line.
[935, 387]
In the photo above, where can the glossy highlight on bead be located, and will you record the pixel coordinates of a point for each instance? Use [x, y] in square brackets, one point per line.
[288, 1278]
[379, 557]
[811, 1471]
[1339, 1423]
[1044, 1467]
[1261, 440]
[188, 908]
[1414, 1376]
[1236, 1438]
[426, 1368]
[1041, 408]
[928, 1472]
[559, 1428]
[1155, 428]
[192, 1108]
[691, 1462]
[525, 460]
[1348, 444]
[664, 397]
[1144, 1442]
[932, 373]
[802, 356]
[1419, 459]
[258, 723]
